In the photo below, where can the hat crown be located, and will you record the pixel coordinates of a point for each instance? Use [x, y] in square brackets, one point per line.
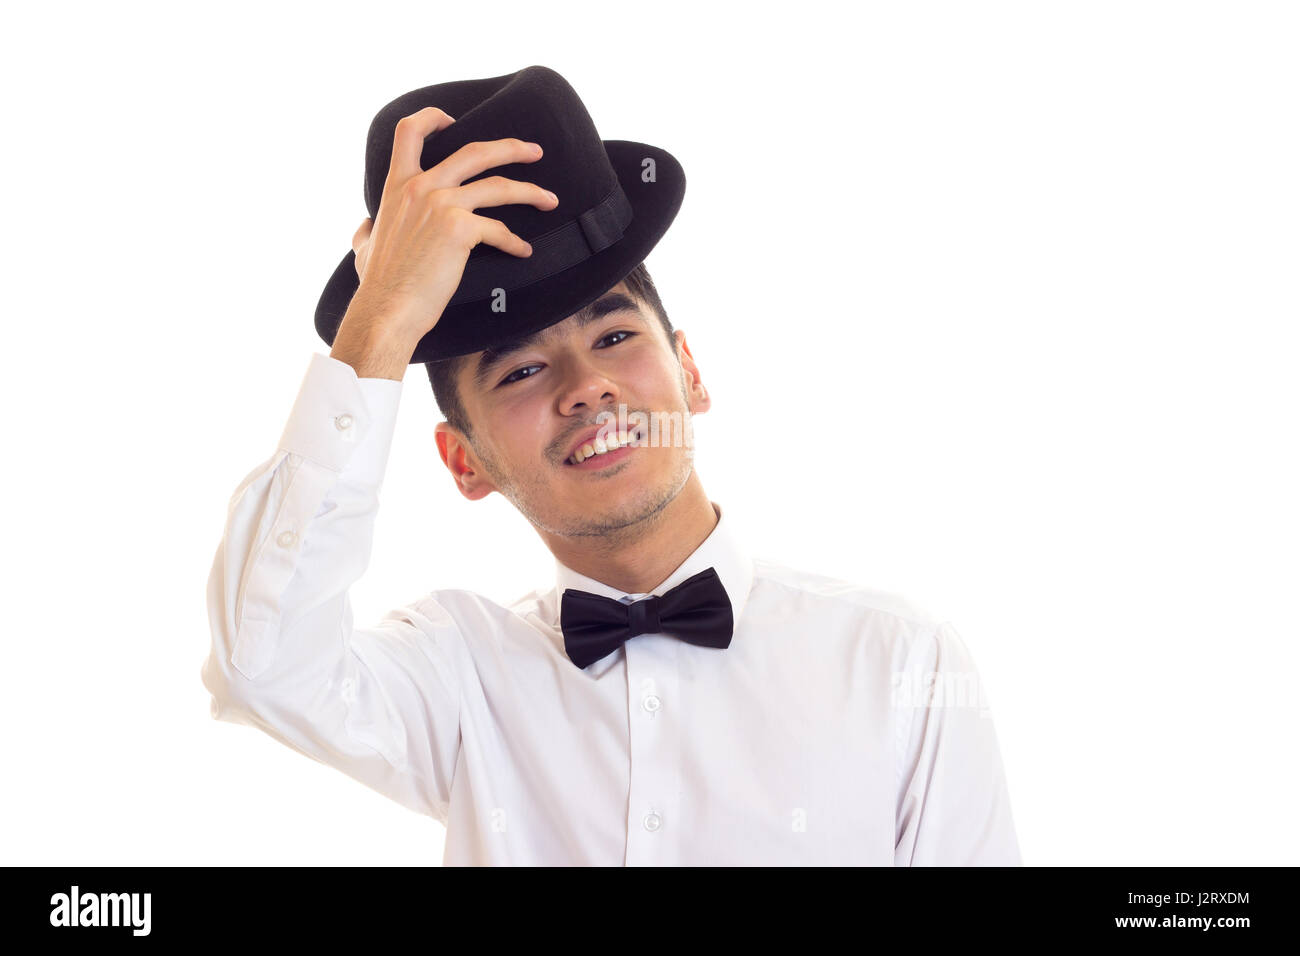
[534, 104]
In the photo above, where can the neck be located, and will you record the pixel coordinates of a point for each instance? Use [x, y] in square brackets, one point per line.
[640, 556]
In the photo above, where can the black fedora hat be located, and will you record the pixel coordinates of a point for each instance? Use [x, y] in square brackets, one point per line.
[617, 199]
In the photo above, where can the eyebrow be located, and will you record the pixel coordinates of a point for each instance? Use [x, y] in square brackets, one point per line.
[491, 357]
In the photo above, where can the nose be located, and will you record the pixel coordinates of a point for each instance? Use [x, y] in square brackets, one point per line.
[585, 389]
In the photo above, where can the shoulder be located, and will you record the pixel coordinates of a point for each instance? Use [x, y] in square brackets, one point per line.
[918, 640]
[789, 585]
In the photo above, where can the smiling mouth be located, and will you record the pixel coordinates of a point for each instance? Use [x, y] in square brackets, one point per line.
[597, 446]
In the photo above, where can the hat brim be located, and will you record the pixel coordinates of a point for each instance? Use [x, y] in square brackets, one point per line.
[472, 326]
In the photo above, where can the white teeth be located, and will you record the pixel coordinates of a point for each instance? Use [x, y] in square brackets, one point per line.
[598, 446]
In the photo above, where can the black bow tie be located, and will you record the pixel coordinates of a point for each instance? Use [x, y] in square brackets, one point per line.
[697, 611]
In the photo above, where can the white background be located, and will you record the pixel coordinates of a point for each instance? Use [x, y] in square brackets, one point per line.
[997, 304]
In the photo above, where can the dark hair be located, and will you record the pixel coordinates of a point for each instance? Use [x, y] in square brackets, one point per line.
[443, 373]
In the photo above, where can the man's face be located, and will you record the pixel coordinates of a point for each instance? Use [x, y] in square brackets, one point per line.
[529, 409]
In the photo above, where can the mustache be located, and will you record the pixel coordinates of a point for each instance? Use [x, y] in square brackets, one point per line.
[606, 419]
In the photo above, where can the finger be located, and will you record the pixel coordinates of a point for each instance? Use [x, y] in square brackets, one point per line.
[495, 233]
[362, 235]
[408, 141]
[502, 191]
[472, 158]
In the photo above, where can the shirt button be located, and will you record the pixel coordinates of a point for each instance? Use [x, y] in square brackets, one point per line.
[651, 821]
[287, 540]
[343, 422]
[650, 702]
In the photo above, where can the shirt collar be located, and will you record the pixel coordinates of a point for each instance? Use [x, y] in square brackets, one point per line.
[723, 550]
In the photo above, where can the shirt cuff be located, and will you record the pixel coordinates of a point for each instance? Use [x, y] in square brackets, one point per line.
[342, 422]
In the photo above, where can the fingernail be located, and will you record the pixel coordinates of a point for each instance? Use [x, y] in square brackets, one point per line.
[552, 195]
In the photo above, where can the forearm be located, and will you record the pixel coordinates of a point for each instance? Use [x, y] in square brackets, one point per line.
[298, 529]
[373, 344]
[379, 703]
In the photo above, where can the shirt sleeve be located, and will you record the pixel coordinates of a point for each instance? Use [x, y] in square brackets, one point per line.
[953, 808]
[382, 703]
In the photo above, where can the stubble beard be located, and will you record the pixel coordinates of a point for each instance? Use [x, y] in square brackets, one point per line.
[615, 520]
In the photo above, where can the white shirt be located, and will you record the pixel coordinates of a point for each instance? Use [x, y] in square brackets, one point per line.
[840, 726]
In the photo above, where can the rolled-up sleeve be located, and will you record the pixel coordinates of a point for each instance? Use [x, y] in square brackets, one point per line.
[953, 808]
[380, 703]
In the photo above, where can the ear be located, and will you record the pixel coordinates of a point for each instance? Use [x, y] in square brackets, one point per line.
[459, 457]
[699, 395]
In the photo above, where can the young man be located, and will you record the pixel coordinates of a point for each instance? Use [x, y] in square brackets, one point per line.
[668, 699]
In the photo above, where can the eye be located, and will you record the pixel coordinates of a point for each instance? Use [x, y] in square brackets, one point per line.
[625, 332]
[515, 376]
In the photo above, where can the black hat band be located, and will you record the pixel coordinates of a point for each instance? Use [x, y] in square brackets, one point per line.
[598, 228]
